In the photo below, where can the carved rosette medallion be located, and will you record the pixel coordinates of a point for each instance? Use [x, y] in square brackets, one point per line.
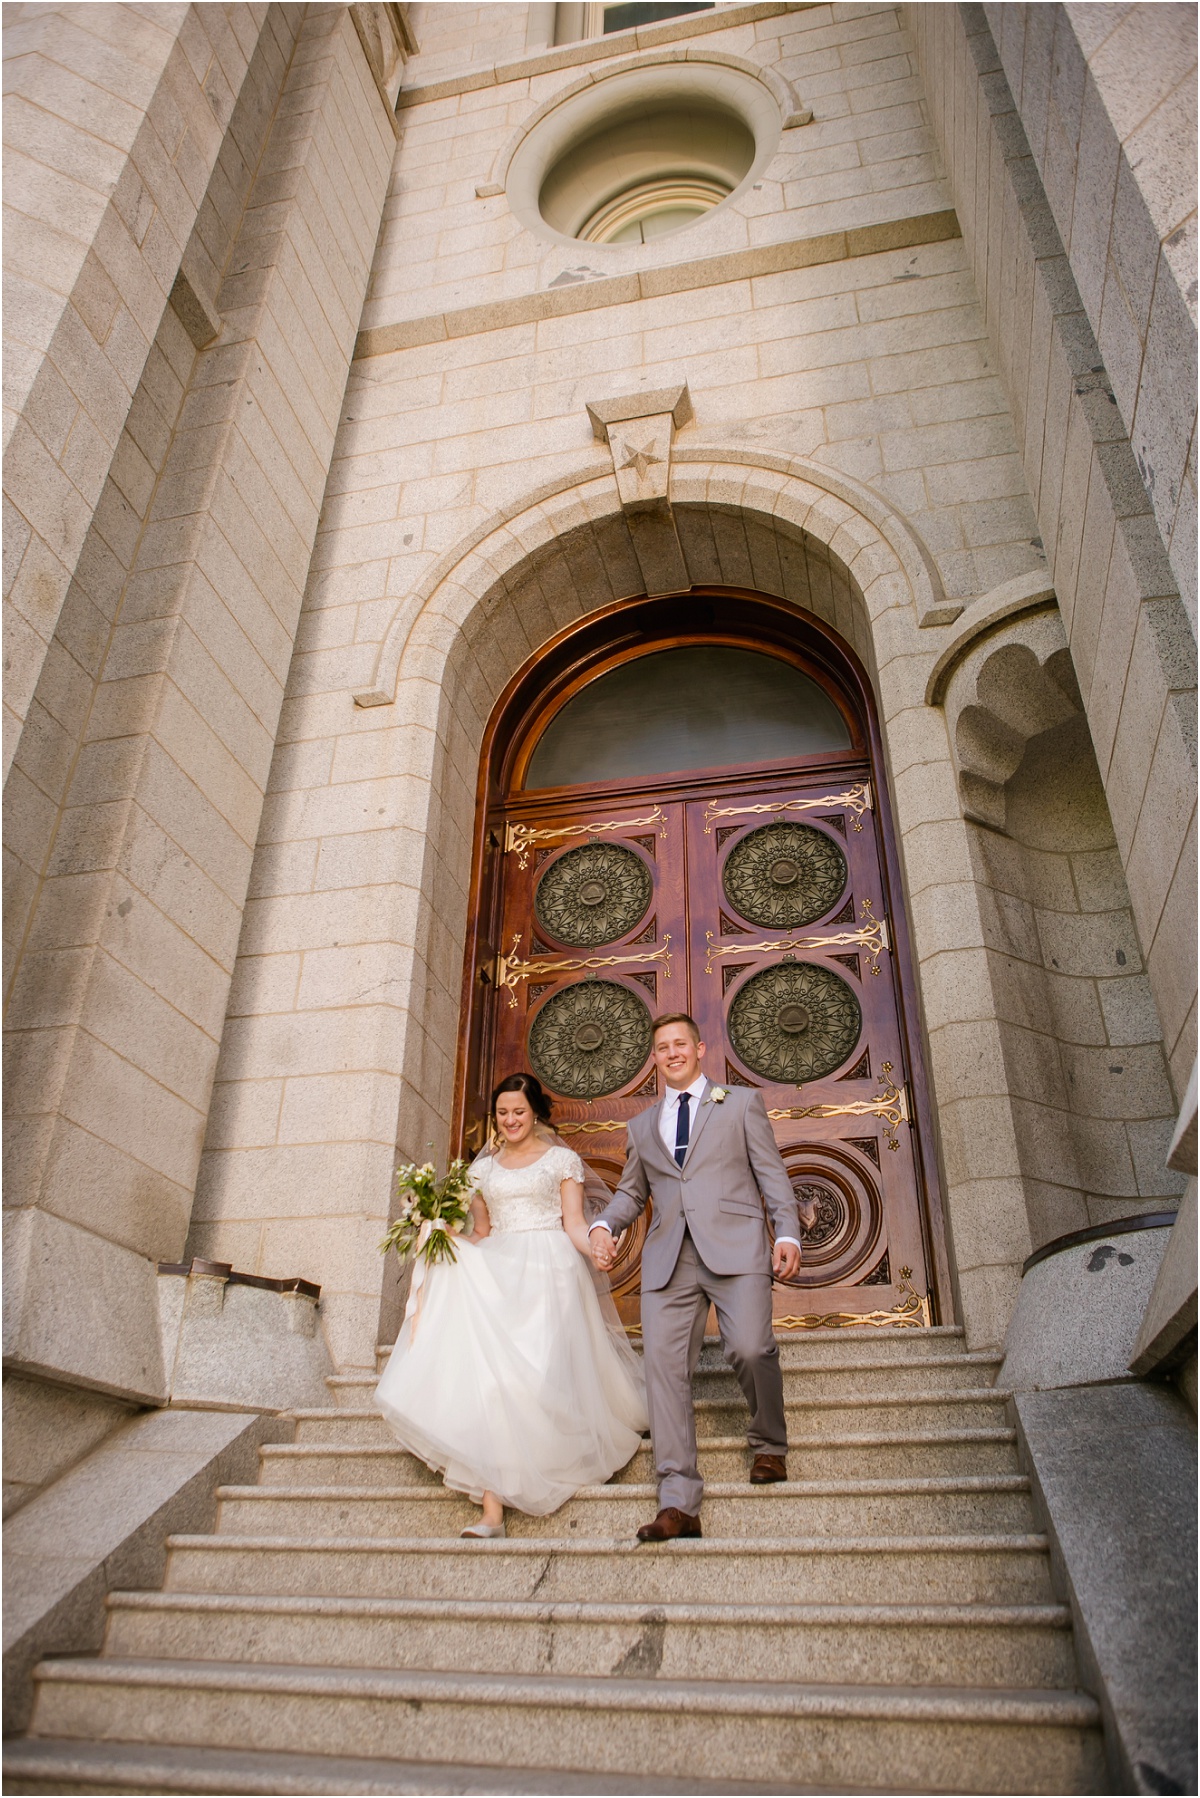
[593, 894]
[841, 1214]
[794, 1023]
[823, 1215]
[590, 1039]
[784, 874]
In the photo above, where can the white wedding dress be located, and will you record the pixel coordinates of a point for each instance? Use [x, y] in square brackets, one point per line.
[514, 1375]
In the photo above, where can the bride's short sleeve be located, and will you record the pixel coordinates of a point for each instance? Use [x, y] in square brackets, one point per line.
[477, 1172]
[570, 1167]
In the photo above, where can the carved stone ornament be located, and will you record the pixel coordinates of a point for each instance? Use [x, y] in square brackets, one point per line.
[794, 1023]
[593, 895]
[784, 874]
[822, 1214]
[639, 429]
[590, 1039]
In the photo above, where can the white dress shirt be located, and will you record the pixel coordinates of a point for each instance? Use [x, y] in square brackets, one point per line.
[668, 1111]
[668, 1124]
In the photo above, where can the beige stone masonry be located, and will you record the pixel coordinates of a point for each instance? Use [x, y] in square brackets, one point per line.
[177, 741]
[599, 294]
[1131, 642]
[866, 160]
[903, 543]
[1108, 102]
[1080, 1038]
[96, 220]
[386, 43]
[568, 56]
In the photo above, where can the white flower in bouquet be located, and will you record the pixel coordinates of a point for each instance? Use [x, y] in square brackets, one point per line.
[431, 1211]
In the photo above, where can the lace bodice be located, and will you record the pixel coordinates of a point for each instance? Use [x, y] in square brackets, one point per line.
[526, 1198]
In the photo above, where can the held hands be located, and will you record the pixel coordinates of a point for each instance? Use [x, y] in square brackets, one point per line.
[604, 1249]
[785, 1262]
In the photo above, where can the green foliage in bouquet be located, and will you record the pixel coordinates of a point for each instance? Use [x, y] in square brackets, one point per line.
[432, 1212]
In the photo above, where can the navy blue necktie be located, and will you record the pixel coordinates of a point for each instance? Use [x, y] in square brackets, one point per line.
[682, 1127]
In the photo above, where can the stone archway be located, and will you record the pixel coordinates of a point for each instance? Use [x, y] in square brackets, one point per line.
[382, 1070]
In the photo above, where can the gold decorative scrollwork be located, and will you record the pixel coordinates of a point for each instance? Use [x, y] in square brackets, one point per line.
[891, 1105]
[872, 935]
[592, 1128]
[511, 970]
[912, 1313]
[856, 799]
[520, 837]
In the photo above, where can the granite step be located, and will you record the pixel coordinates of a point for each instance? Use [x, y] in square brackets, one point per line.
[868, 1408]
[869, 1412]
[883, 1644]
[943, 1372]
[55, 1768]
[986, 1502]
[932, 1453]
[962, 1738]
[810, 1348]
[964, 1568]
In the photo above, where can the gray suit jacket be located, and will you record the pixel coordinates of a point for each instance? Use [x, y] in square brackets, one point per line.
[731, 1160]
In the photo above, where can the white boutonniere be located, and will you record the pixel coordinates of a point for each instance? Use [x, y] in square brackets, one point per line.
[717, 1095]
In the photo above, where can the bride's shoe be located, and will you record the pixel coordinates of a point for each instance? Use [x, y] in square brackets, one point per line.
[484, 1531]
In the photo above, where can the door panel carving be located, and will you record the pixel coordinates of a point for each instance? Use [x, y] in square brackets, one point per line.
[758, 900]
[789, 1016]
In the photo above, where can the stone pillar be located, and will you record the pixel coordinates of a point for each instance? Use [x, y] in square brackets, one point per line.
[129, 106]
[120, 990]
[1112, 527]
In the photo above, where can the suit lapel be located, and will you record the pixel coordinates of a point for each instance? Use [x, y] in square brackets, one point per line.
[649, 1142]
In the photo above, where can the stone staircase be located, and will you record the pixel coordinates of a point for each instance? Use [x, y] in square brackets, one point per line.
[884, 1622]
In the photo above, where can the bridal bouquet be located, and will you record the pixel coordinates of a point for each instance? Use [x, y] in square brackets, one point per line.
[432, 1212]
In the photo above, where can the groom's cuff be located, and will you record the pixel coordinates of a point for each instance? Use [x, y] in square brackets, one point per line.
[792, 1240]
[601, 1226]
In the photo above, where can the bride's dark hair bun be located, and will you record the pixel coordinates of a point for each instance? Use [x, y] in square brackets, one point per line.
[531, 1087]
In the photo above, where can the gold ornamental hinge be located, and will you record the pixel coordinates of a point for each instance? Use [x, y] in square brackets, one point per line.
[872, 935]
[891, 1105]
[518, 838]
[856, 799]
[511, 970]
[913, 1312]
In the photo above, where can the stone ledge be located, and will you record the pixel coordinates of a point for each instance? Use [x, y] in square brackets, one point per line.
[240, 1342]
[684, 277]
[104, 1525]
[1079, 1310]
[1114, 1476]
[38, 1765]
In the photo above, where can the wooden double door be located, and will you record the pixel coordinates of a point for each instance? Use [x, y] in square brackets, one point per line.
[758, 902]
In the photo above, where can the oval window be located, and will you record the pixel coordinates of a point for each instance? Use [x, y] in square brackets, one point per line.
[675, 158]
[642, 152]
[702, 706]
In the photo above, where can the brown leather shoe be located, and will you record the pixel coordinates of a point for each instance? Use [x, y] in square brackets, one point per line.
[669, 1524]
[767, 1469]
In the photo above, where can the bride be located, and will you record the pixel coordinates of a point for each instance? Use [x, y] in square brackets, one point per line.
[512, 1375]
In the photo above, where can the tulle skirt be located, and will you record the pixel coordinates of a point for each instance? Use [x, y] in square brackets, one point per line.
[514, 1381]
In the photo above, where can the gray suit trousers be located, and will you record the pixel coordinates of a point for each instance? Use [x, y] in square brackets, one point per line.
[673, 1319]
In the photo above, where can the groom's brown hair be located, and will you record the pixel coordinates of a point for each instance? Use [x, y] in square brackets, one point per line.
[675, 1017]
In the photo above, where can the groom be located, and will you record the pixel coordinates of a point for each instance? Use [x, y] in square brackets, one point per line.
[704, 1154]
